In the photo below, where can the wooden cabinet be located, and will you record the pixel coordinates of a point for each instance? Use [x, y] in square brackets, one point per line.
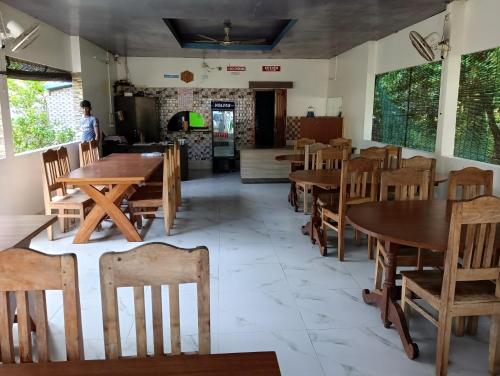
[321, 128]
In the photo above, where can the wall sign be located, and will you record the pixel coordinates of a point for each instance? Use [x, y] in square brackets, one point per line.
[171, 75]
[236, 68]
[271, 68]
[222, 105]
[187, 76]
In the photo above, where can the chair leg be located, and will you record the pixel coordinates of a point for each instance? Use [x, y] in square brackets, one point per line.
[459, 326]
[62, 220]
[472, 322]
[340, 240]
[50, 230]
[379, 270]
[494, 353]
[406, 308]
[443, 343]
[371, 242]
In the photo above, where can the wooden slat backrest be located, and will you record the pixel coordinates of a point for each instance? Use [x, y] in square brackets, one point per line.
[28, 273]
[394, 156]
[310, 154]
[301, 143]
[51, 171]
[469, 183]
[358, 181]
[377, 153]
[341, 141]
[422, 163]
[169, 196]
[89, 152]
[63, 157]
[154, 265]
[476, 220]
[330, 158]
[409, 184]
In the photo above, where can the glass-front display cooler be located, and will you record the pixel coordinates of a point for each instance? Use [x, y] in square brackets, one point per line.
[223, 139]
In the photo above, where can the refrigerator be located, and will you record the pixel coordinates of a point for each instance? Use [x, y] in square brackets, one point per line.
[137, 119]
[223, 138]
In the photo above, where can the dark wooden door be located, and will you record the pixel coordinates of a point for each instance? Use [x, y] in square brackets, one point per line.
[280, 117]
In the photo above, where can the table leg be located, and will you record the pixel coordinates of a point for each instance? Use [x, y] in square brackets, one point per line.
[293, 196]
[106, 204]
[386, 300]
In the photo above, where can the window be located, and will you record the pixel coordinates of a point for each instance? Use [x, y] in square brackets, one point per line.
[477, 134]
[41, 106]
[406, 105]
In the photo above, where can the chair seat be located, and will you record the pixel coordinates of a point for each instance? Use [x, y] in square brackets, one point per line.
[429, 283]
[76, 197]
[146, 197]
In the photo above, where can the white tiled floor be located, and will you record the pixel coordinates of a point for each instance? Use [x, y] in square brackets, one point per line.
[270, 290]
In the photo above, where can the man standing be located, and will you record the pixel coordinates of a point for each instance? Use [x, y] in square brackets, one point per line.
[88, 123]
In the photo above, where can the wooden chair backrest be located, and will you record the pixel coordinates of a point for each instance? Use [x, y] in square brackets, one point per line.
[476, 221]
[154, 265]
[422, 163]
[51, 171]
[374, 152]
[469, 183]
[409, 184]
[330, 158]
[341, 141]
[358, 182]
[310, 152]
[89, 152]
[394, 156]
[63, 157]
[169, 186]
[23, 273]
[177, 173]
[301, 143]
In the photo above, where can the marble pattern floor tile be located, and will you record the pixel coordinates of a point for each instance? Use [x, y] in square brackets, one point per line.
[270, 289]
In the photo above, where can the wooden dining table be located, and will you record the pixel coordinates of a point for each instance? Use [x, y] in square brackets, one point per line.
[19, 230]
[236, 364]
[120, 172]
[421, 224]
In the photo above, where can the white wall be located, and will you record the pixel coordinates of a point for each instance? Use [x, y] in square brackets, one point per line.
[474, 26]
[21, 175]
[308, 75]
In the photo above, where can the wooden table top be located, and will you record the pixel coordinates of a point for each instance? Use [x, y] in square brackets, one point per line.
[16, 230]
[130, 168]
[320, 178]
[421, 224]
[294, 158]
[440, 178]
[243, 364]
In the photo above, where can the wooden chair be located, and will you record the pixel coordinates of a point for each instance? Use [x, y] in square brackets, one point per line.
[154, 265]
[300, 144]
[406, 184]
[468, 286]
[57, 199]
[177, 174]
[330, 158]
[394, 156]
[374, 152]
[26, 274]
[358, 185]
[89, 152]
[423, 163]
[341, 141]
[310, 152]
[145, 201]
[469, 183]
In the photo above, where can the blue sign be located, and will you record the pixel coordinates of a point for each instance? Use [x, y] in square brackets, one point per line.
[171, 75]
[220, 105]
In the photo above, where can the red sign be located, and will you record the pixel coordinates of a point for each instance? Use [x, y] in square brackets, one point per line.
[271, 68]
[236, 68]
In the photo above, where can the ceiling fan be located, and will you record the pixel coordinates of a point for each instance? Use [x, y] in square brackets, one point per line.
[227, 41]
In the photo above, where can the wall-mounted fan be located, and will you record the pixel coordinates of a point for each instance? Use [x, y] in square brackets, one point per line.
[427, 45]
[227, 41]
[18, 37]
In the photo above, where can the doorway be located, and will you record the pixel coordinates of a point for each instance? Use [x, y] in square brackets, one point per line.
[264, 118]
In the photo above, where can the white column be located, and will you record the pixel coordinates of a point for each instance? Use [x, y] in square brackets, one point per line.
[450, 78]
[5, 108]
[369, 90]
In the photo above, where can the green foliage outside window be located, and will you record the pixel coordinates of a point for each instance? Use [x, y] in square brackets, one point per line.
[406, 105]
[477, 134]
[31, 126]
